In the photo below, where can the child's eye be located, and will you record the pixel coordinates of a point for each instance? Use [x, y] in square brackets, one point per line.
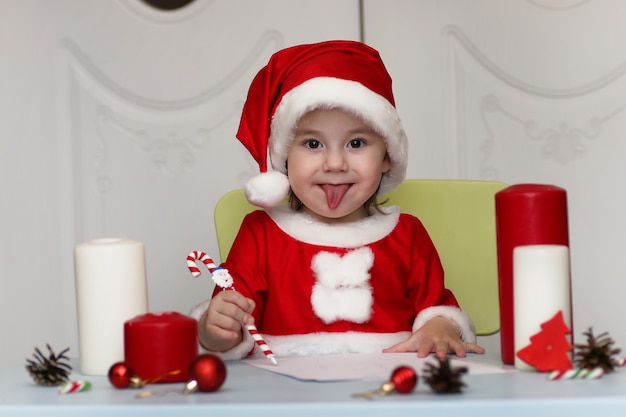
[356, 143]
[312, 144]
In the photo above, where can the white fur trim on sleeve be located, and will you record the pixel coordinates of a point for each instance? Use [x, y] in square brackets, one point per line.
[457, 316]
[239, 351]
[197, 311]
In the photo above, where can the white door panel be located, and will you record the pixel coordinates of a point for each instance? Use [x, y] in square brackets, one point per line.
[119, 120]
[522, 91]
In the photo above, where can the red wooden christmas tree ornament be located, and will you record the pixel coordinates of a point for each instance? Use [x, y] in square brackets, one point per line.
[549, 349]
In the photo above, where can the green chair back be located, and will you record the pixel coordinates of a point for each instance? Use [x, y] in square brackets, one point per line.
[460, 218]
[229, 212]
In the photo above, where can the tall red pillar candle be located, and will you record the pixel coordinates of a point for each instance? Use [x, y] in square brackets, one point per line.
[159, 347]
[526, 214]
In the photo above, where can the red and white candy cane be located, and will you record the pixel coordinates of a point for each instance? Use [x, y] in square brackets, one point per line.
[594, 373]
[220, 275]
[260, 342]
[199, 256]
[223, 279]
[71, 387]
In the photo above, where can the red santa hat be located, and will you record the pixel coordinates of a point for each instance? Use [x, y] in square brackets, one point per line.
[334, 74]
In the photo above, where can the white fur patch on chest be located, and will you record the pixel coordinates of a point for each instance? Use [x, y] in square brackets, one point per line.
[342, 290]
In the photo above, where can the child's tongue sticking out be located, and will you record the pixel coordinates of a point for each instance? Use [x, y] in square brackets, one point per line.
[334, 193]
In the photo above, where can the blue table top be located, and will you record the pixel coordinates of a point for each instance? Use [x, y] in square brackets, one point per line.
[252, 391]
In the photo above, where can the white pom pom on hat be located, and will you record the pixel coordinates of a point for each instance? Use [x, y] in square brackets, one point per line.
[267, 189]
[333, 74]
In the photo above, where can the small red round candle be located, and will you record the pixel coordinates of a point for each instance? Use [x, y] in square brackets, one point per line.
[526, 214]
[159, 347]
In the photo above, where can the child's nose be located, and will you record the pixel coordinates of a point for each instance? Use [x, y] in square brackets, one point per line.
[335, 161]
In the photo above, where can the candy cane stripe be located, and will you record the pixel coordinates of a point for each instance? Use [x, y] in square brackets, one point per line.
[199, 256]
[261, 343]
[594, 373]
[71, 387]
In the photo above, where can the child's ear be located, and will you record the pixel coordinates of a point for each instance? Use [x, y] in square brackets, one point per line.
[386, 163]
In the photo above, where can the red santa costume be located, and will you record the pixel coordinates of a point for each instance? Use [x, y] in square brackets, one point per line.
[330, 288]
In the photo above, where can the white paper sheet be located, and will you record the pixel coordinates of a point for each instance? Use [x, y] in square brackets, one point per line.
[375, 366]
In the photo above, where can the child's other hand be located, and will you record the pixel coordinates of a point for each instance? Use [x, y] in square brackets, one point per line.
[219, 328]
[438, 336]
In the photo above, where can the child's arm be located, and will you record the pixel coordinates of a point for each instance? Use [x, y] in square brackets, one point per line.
[220, 327]
[438, 335]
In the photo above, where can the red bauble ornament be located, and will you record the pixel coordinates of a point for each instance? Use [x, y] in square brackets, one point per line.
[207, 373]
[403, 379]
[121, 376]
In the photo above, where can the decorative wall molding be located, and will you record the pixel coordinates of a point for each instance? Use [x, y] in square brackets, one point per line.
[455, 39]
[560, 141]
[562, 121]
[91, 76]
[117, 135]
[558, 5]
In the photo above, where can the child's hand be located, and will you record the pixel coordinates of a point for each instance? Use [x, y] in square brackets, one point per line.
[219, 328]
[438, 336]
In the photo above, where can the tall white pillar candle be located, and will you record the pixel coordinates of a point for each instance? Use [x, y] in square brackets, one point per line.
[111, 287]
[541, 288]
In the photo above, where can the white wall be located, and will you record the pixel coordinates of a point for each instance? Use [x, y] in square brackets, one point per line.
[117, 120]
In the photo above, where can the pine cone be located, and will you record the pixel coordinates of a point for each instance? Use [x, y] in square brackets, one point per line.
[442, 378]
[596, 353]
[49, 371]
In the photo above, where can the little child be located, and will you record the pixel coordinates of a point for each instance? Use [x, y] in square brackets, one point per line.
[330, 271]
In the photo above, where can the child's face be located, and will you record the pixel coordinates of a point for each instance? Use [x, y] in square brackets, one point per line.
[335, 164]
